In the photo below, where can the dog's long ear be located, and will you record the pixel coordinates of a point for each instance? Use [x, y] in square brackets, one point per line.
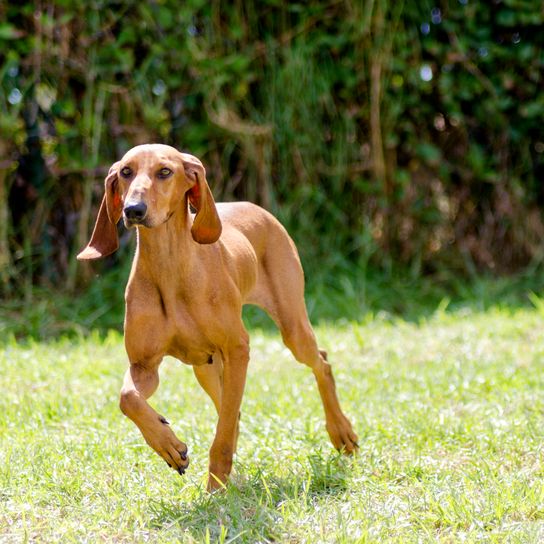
[206, 227]
[104, 239]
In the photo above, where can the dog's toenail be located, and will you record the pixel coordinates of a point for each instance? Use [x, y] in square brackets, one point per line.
[183, 455]
[162, 419]
[181, 471]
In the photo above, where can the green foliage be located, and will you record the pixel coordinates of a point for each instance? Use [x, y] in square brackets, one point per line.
[378, 131]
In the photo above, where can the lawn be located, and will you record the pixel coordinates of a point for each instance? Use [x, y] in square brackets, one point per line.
[449, 411]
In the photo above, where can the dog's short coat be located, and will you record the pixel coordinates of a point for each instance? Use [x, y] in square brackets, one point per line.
[189, 280]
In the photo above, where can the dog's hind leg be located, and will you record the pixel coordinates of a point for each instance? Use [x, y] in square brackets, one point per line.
[280, 292]
[299, 337]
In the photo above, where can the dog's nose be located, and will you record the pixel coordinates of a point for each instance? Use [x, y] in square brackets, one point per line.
[135, 212]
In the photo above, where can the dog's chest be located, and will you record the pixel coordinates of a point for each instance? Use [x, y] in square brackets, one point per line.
[187, 342]
[189, 354]
[153, 330]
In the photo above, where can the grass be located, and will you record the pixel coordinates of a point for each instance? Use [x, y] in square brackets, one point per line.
[337, 293]
[448, 407]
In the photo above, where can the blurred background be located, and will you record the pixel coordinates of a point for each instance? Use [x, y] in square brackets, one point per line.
[401, 143]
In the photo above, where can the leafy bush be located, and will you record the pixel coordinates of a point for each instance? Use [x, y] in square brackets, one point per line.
[378, 131]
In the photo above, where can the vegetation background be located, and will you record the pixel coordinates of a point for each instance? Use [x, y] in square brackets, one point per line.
[402, 144]
[387, 136]
[383, 131]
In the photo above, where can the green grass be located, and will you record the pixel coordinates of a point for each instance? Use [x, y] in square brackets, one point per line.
[449, 411]
[334, 293]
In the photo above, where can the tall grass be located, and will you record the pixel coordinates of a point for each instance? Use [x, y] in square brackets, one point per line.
[343, 294]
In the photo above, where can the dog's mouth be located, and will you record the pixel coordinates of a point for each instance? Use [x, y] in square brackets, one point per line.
[144, 222]
[129, 223]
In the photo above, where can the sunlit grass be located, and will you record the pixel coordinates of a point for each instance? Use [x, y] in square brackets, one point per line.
[449, 410]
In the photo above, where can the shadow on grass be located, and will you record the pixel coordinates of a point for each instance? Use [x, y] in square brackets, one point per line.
[252, 508]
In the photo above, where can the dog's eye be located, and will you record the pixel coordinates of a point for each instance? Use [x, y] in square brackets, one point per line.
[126, 172]
[164, 173]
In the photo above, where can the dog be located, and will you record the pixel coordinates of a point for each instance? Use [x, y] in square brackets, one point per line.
[190, 277]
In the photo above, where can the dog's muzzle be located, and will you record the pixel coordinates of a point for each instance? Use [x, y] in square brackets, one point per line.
[135, 213]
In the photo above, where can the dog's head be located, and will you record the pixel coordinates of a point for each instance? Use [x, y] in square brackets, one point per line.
[146, 187]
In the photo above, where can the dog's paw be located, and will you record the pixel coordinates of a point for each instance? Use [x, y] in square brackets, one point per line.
[180, 468]
[215, 484]
[172, 450]
[343, 436]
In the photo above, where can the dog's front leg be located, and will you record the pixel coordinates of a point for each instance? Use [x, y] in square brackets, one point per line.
[235, 362]
[140, 383]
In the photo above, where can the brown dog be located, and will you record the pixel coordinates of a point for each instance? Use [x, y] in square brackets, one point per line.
[189, 280]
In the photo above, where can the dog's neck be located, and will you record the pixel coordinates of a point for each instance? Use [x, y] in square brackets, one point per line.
[167, 252]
